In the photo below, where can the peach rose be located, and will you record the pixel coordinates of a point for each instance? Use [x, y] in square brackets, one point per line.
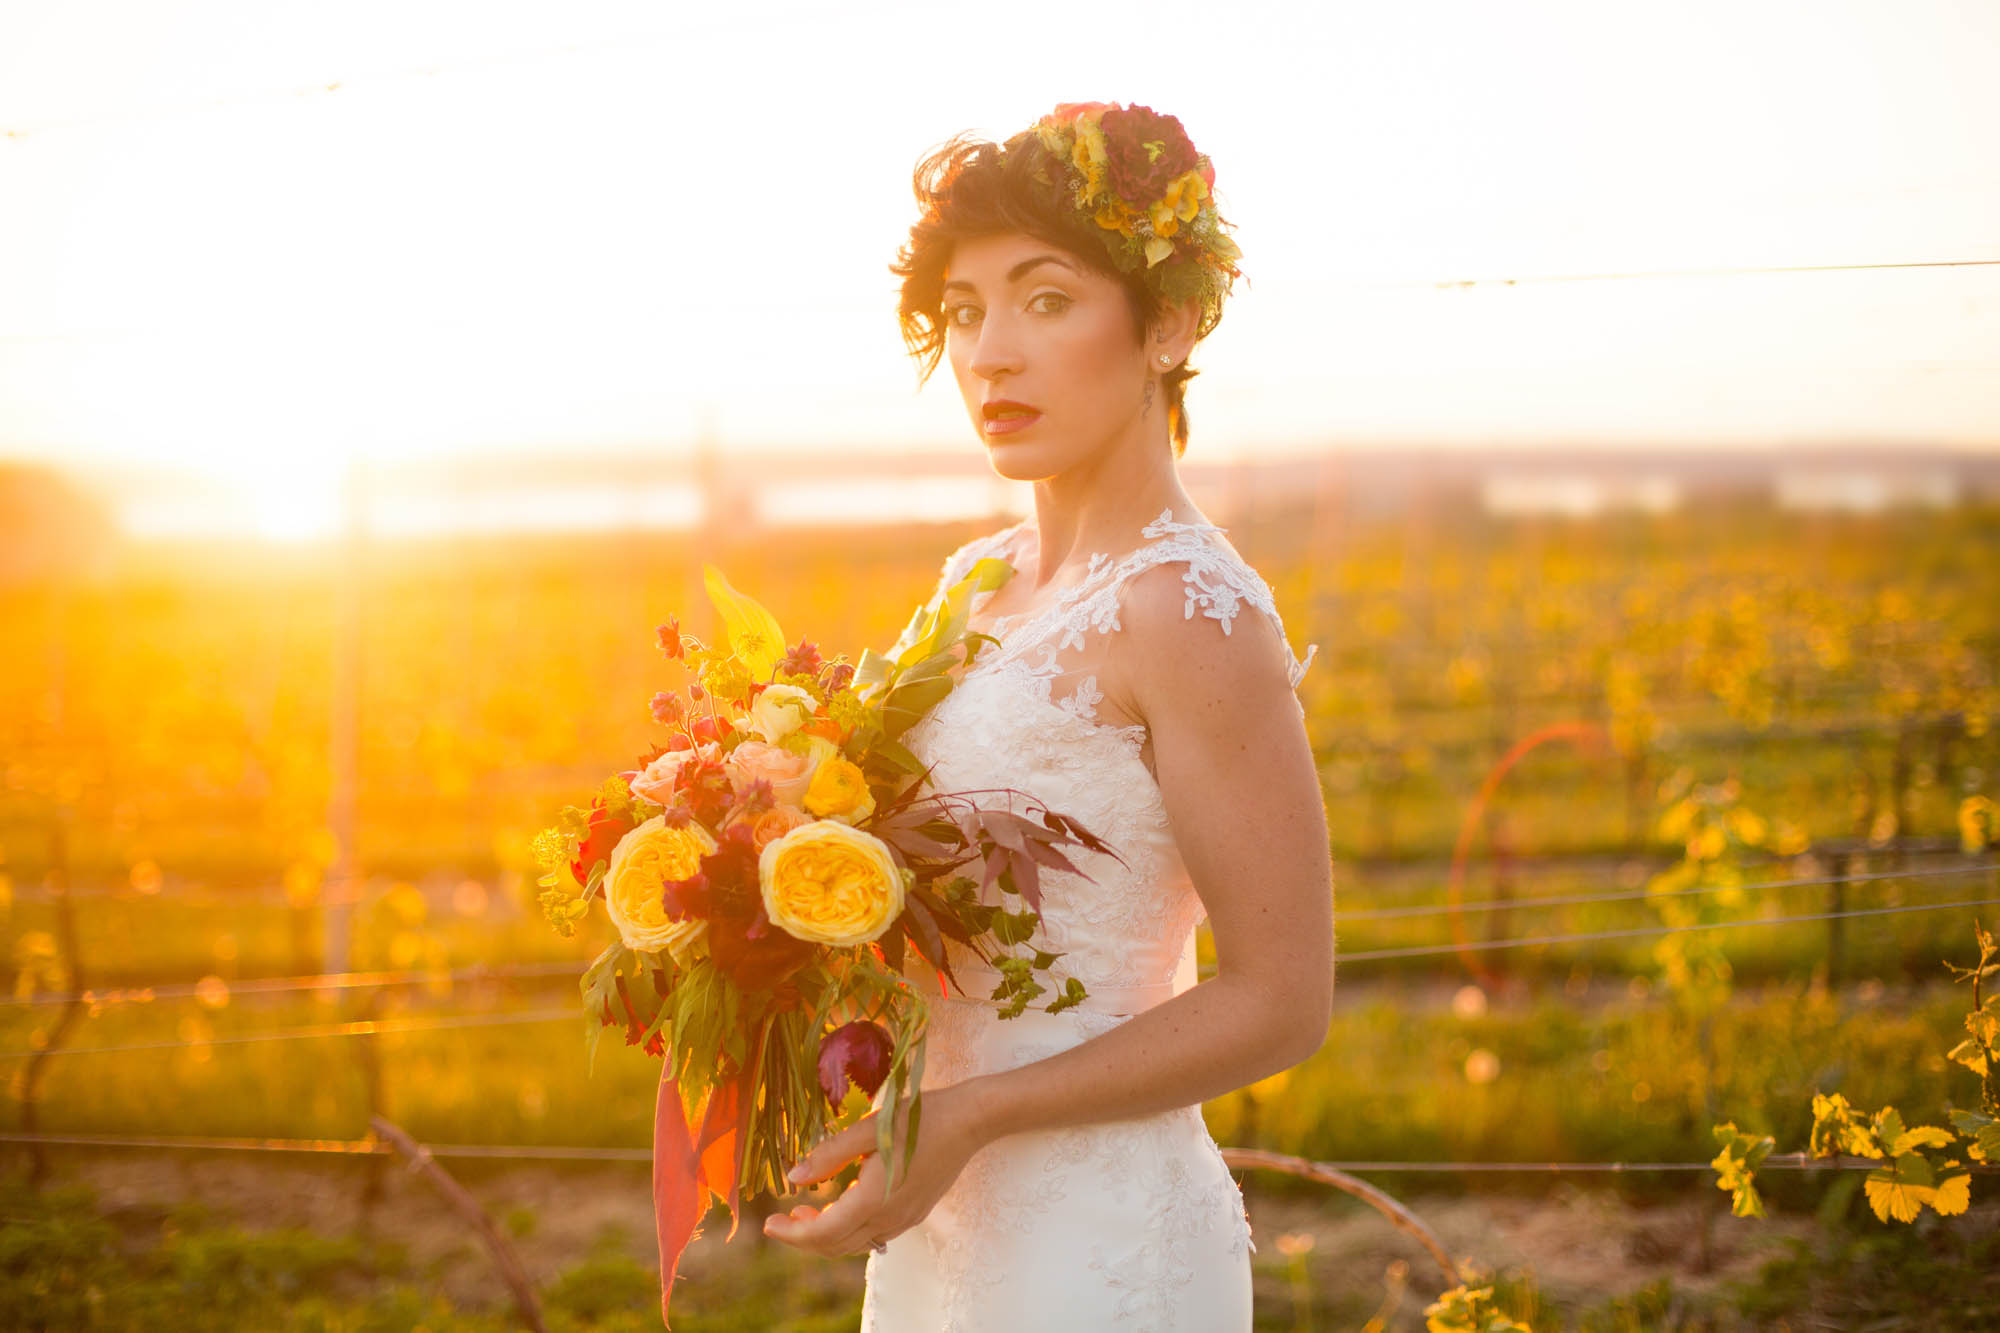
[775, 823]
[789, 774]
[655, 782]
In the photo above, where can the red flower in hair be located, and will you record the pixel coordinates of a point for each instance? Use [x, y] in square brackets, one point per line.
[1146, 151]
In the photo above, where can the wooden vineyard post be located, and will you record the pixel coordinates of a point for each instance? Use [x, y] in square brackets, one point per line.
[29, 1086]
[370, 1056]
[1399, 1217]
[468, 1208]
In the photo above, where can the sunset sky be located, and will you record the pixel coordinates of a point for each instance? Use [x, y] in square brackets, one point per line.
[256, 239]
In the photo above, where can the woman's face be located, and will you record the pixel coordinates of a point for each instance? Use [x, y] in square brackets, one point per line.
[1028, 324]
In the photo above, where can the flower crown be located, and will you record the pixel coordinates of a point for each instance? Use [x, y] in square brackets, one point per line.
[1136, 174]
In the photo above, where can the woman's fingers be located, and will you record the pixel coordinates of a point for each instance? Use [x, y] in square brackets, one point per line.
[843, 1227]
[832, 1153]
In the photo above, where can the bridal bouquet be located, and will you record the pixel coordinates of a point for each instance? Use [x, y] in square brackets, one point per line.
[769, 872]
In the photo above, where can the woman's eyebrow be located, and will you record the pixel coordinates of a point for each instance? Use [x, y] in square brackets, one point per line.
[1014, 273]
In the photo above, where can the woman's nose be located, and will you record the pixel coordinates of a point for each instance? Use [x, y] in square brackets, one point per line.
[998, 351]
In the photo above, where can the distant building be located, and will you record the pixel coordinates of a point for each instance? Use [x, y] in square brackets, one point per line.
[1866, 490]
[1581, 494]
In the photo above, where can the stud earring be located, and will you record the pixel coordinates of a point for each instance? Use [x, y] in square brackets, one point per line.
[1166, 360]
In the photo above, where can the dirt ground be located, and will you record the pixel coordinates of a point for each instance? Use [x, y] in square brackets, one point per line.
[1582, 1243]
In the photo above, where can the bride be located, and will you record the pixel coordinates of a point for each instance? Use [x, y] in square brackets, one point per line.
[1063, 1177]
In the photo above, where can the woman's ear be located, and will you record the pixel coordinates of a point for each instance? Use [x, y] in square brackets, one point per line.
[1173, 331]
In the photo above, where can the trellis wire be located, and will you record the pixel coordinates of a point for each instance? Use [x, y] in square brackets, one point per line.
[1418, 950]
[556, 1152]
[321, 981]
[365, 1027]
[418, 1024]
[1571, 900]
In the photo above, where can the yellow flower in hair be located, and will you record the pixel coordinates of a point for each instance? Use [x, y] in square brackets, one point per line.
[1162, 215]
[1090, 155]
[1184, 196]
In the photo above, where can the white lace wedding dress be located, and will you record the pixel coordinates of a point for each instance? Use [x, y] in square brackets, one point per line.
[1130, 1224]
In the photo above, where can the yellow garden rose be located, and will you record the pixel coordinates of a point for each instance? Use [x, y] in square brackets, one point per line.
[641, 864]
[839, 791]
[829, 883]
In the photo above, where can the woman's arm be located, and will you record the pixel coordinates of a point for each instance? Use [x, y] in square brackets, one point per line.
[1242, 794]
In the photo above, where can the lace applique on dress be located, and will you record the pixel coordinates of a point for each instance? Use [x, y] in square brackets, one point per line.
[1218, 580]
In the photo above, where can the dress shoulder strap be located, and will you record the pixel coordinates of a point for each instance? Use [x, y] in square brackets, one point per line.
[1219, 584]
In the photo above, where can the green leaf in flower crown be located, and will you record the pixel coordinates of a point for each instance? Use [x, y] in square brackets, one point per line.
[752, 631]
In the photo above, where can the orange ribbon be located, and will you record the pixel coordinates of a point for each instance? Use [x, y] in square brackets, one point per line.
[687, 1168]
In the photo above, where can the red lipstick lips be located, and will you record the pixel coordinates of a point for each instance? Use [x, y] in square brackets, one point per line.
[1004, 416]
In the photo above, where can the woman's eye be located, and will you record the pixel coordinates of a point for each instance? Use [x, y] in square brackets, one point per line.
[1052, 303]
[960, 315]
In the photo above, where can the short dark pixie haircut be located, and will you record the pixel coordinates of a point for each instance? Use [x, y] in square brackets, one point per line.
[971, 187]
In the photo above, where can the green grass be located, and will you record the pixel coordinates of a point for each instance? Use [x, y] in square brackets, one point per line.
[69, 1263]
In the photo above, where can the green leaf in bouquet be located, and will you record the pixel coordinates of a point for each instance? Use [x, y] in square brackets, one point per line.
[1017, 986]
[916, 1104]
[935, 667]
[891, 945]
[924, 933]
[1072, 995]
[948, 622]
[955, 921]
[887, 1098]
[908, 704]
[910, 1038]
[699, 1017]
[599, 984]
[663, 998]
[1012, 928]
[896, 755]
[871, 673]
[753, 632]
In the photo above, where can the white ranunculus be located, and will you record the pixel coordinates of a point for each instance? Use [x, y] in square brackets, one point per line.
[779, 711]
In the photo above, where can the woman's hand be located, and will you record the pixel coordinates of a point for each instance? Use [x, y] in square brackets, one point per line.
[953, 1128]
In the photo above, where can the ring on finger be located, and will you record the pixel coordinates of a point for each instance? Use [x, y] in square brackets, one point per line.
[879, 1246]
